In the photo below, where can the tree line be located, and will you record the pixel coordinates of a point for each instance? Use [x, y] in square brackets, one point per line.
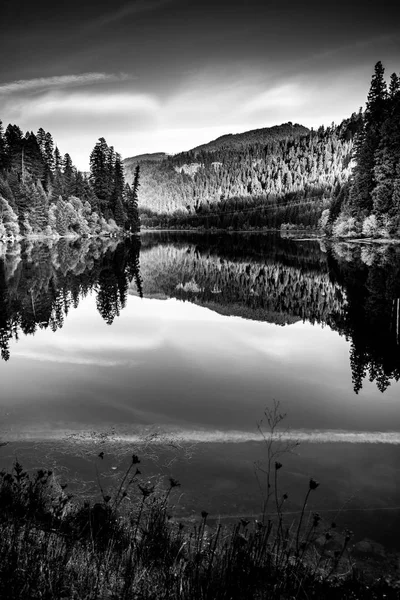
[43, 194]
[370, 204]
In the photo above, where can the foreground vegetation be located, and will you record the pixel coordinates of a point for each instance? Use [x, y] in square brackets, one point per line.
[128, 546]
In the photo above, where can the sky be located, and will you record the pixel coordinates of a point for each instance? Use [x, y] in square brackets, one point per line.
[168, 75]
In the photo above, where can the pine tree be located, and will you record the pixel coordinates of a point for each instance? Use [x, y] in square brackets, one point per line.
[118, 189]
[100, 160]
[361, 200]
[41, 140]
[68, 176]
[57, 160]
[119, 213]
[3, 155]
[32, 160]
[39, 212]
[13, 139]
[133, 206]
[49, 153]
[387, 155]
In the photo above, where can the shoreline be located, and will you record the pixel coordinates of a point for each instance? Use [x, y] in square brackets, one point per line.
[54, 238]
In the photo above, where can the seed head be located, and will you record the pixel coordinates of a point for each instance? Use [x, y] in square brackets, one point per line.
[135, 459]
[204, 514]
[146, 490]
[316, 519]
[278, 465]
[174, 482]
[313, 484]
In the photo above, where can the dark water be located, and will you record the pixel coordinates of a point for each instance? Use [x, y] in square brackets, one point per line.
[175, 344]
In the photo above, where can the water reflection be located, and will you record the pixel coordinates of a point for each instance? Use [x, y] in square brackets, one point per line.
[371, 277]
[352, 289]
[39, 283]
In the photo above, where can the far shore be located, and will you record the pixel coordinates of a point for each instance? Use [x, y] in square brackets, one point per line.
[71, 237]
[312, 235]
[289, 233]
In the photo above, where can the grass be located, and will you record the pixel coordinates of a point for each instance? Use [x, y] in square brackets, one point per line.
[127, 546]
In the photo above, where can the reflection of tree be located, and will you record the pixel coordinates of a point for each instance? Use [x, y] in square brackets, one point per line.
[252, 277]
[355, 290]
[117, 272]
[372, 316]
[4, 325]
[48, 280]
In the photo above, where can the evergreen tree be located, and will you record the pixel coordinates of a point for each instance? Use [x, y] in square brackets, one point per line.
[41, 139]
[100, 160]
[118, 190]
[361, 193]
[13, 140]
[39, 209]
[119, 213]
[133, 205]
[57, 160]
[3, 155]
[68, 176]
[387, 156]
[49, 153]
[32, 160]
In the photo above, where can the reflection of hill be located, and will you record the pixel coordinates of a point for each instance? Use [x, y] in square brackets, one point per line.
[353, 289]
[39, 283]
[263, 288]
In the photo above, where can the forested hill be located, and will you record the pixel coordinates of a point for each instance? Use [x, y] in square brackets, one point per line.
[265, 177]
[130, 163]
[239, 141]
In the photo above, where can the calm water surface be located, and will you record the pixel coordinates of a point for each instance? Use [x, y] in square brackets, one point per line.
[179, 342]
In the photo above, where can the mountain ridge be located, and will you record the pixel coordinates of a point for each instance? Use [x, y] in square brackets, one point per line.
[228, 141]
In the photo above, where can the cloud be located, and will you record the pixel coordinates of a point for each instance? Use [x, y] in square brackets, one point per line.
[284, 96]
[41, 83]
[95, 104]
[72, 360]
[127, 10]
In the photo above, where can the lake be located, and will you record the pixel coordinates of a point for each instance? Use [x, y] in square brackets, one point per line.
[174, 344]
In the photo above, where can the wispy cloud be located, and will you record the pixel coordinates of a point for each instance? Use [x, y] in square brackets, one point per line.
[127, 10]
[94, 103]
[282, 96]
[62, 81]
[65, 359]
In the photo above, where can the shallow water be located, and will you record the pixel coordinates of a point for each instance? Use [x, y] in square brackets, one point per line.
[181, 341]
